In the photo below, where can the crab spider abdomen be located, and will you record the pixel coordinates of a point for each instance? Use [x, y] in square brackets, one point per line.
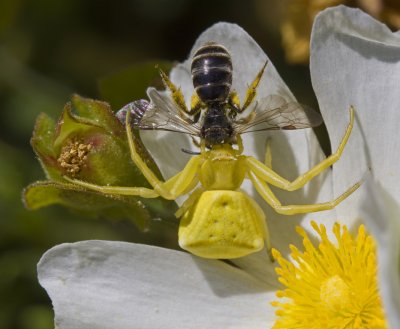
[223, 224]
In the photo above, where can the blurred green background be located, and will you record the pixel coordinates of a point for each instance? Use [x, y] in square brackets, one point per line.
[51, 49]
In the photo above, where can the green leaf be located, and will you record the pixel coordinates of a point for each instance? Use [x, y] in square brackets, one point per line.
[131, 83]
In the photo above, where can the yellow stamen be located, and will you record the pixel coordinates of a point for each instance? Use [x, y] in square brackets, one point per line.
[331, 286]
[73, 156]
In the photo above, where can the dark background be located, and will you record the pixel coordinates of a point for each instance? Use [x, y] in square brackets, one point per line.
[51, 49]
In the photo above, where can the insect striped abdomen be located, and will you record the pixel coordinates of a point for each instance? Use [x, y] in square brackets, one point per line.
[212, 73]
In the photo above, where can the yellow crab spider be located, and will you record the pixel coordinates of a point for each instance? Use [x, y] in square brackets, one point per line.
[218, 220]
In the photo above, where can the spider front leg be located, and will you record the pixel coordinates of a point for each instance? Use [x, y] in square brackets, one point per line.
[267, 174]
[266, 193]
[177, 185]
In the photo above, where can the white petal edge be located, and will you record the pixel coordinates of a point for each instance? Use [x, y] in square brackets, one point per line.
[108, 285]
[355, 60]
[382, 215]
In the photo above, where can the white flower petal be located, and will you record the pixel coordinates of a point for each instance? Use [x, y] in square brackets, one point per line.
[101, 284]
[381, 213]
[247, 60]
[293, 152]
[290, 149]
[355, 60]
[166, 149]
[259, 266]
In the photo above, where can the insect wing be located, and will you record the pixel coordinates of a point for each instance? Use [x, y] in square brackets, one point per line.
[163, 114]
[274, 112]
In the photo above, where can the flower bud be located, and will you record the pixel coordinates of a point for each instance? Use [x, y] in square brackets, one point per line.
[89, 143]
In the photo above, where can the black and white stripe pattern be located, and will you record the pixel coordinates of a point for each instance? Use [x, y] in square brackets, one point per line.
[212, 73]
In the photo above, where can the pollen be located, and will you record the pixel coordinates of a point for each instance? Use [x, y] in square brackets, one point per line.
[73, 156]
[332, 285]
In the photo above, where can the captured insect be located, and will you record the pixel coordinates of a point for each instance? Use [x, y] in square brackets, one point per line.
[218, 220]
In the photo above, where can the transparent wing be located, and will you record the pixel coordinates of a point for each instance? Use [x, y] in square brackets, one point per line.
[163, 114]
[274, 112]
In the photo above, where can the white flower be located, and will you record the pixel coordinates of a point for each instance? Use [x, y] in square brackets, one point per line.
[99, 284]
[356, 60]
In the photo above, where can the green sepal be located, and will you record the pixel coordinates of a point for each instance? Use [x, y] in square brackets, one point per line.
[42, 143]
[96, 113]
[43, 135]
[89, 203]
[71, 125]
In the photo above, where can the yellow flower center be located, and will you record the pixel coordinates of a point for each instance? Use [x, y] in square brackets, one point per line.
[335, 293]
[332, 285]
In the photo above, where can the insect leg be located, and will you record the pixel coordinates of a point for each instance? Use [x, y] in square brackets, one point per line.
[252, 90]
[195, 142]
[266, 173]
[234, 102]
[239, 143]
[266, 193]
[178, 97]
[195, 106]
[247, 118]
[202, 146]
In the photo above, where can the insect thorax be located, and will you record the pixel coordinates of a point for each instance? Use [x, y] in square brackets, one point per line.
[216, 126]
